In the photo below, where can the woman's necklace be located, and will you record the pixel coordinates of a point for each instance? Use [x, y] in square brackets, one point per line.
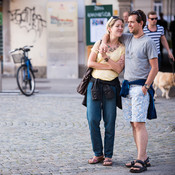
[111, 49]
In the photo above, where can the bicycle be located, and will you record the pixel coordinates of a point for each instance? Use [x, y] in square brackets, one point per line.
[25, 74]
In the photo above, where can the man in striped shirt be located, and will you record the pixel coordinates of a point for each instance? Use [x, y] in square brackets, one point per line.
[156, 32]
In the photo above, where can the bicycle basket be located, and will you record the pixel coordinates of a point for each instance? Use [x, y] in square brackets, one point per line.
[17, 58]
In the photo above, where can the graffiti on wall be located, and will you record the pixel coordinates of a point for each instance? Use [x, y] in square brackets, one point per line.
[28, 19]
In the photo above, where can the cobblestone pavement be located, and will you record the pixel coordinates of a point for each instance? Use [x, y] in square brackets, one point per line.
[48, 134]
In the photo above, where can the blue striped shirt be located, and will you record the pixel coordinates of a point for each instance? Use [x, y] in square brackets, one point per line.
[156, 35]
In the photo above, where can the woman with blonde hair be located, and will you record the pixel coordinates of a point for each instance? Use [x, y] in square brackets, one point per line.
[103, 91]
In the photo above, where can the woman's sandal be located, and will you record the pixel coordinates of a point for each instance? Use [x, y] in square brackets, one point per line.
[133, 162]
[107, 162]
[139, 168]
[95, 160]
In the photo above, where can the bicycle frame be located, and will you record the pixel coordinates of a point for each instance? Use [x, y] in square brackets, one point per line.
[28, 64]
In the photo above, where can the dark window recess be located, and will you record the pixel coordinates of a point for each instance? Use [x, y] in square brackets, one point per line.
[1, 41]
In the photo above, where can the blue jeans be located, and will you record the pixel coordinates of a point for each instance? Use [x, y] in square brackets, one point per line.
[95, 109]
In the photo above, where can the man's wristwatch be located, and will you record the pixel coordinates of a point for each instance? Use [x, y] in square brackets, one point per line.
[146, 86]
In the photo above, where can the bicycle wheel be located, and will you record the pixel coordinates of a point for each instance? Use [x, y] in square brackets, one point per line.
[25, 80]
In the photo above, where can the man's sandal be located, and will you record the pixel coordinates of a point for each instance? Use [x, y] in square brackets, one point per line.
[133, 162]
[147, 162]
[130, 165]
[107, 162]
[95, 160]
[139, 168]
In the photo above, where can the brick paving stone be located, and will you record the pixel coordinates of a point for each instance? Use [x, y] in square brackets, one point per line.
[48, 134]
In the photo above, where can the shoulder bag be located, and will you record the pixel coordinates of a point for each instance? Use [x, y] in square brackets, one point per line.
[82, 87]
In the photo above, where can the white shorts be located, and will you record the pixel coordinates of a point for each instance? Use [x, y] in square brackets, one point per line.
[135, 105]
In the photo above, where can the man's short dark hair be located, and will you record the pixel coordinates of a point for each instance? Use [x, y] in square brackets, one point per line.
[140, 16]
[151, 13]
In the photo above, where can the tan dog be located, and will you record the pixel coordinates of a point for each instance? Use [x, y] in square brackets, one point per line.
[164, 81]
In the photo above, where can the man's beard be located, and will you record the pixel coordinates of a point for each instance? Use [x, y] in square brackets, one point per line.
[135, 32]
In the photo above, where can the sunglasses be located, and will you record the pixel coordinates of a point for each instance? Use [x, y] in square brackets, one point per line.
[153, 18]
[115, 17]
[136, 13]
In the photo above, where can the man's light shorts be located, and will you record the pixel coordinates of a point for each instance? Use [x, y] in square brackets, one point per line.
[135, 105]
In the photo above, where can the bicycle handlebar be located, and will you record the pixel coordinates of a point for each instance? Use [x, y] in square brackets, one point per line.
[23, 49]
[27, 47]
